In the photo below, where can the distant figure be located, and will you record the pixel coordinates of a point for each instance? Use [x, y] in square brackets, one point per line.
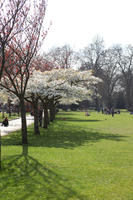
[112, 112]
[118, 112]
[87, 114]
[32, 113]
[109, 111]
[5, 122]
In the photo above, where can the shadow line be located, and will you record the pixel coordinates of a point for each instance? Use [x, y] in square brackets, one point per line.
[28, 178]
[78, 120]
[63, 136]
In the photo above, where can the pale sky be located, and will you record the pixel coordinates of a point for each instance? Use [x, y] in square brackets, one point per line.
[77, 22]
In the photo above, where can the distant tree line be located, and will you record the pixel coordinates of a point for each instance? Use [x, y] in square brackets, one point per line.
[113, 65]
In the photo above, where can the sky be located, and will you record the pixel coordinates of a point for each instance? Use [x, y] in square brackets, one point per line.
[78, 22]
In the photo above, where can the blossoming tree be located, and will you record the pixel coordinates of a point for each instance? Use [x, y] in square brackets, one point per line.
[20, 54]
[60, 85]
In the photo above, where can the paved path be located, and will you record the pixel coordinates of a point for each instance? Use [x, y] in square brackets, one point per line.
[15, 125]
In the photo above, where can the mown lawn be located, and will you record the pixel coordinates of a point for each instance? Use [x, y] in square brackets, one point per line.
[77, 158]
[13, 116]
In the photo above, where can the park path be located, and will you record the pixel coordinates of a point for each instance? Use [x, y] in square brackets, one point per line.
[15, 125]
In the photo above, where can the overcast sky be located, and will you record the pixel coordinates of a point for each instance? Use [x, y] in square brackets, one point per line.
[77, 22]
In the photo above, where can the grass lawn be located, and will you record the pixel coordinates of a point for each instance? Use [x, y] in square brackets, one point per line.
[78, 158]
[13, 116]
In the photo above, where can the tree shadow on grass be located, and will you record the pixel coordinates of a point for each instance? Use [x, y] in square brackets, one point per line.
[66, 113]
[79, 120]
[62, 136]
[24, 177]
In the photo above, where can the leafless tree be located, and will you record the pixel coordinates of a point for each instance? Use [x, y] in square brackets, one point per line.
[110, 76]
[61, 57]
[125, 61]
[92, 56]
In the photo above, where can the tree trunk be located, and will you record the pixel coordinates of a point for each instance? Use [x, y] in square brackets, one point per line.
[17, 109]
[52, 113]
[3, 109]
[36, 126]
[46, 118]
[10, 114]
[9, 107]
[23, 121]
[129, 98]
[25, 150]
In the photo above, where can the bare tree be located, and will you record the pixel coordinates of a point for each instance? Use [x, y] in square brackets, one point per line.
[61, 57]
[110, 76]
[92, 58]
[125, 61]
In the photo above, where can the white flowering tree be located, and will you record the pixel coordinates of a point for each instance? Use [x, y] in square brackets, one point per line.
[40, 87]
[33, 91]
[60, 85]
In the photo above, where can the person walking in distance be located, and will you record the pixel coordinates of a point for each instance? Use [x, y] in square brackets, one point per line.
[112, 112]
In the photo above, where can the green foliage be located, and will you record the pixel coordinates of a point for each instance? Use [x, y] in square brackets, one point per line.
[78, 157]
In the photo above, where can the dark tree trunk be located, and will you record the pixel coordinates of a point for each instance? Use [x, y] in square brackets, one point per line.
[25, 150]
[36, 125]
[9, 111]
[97, 104]
[3, 60]
[46, 117]
[17, 109]
[52, 113]
[129, 97]
[3, 109]
[23, 121]
[110, 102]
[9, 107]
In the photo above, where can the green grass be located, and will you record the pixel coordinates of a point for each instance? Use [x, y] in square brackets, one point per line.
[77, 158]
[13, 116]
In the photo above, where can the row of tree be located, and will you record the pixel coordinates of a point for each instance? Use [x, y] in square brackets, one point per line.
[21, 36]
[113, 65]
[45, 90]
